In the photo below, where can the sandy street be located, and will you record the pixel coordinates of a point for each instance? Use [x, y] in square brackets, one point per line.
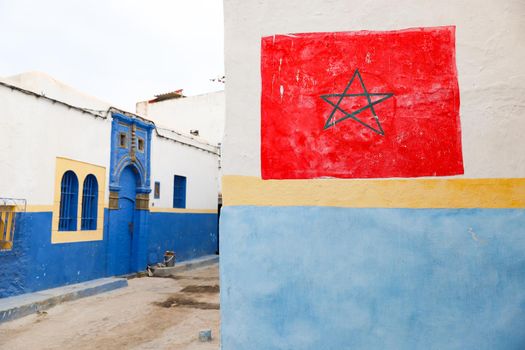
[151, 313]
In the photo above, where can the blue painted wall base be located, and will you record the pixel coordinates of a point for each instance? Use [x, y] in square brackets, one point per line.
[340, 278]
[35, 264]
[188, 235]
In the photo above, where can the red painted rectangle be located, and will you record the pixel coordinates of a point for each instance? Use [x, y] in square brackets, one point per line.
[360, 105]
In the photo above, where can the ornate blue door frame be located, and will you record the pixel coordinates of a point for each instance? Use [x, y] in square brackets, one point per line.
[130, 149]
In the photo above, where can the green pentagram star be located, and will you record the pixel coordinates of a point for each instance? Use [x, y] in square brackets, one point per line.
[353, 115]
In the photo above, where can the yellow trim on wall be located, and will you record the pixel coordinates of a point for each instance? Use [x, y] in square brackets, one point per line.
[366, 193]
[181, 210]
[38, 208]
[42, 208]
[82, 170]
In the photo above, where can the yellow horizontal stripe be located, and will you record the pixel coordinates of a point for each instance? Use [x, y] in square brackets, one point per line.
[366, 193]
[77, 236]
[180, 210]
[34, 208]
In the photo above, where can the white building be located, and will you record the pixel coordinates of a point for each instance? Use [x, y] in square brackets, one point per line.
[77, 174]
[203, 115]
[320, 252]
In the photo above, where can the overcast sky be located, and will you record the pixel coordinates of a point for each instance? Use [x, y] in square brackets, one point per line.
[121, 51]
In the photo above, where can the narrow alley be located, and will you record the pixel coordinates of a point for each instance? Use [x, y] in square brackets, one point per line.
[151, 313]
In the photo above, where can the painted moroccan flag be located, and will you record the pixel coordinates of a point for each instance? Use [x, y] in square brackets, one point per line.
[360, 105]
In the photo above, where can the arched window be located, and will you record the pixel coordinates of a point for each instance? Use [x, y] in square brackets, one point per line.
[68, 202]
[89, 203]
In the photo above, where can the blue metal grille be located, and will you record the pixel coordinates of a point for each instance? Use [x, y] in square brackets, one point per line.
[89, 203]
[68, 202]
[179, 191]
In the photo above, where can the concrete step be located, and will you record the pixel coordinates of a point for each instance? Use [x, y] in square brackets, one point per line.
[25, 304]
[196, 263]
[185, 265]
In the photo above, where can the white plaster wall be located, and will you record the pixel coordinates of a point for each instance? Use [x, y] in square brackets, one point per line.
[43, 84]
[205, 113]
[33, 132]
[490, 60]
[169, 158]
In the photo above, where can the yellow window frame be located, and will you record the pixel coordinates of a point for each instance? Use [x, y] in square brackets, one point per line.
[82, 170]
[7, 225]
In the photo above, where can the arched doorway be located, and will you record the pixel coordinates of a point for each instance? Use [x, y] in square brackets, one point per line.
[129, 188]
[122, 227]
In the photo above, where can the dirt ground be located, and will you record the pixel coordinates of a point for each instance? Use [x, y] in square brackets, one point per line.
[151, 313]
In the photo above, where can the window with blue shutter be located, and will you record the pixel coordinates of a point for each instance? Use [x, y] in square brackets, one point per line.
[68, 202]
[179, 191]
[156, 190]
[89, 203]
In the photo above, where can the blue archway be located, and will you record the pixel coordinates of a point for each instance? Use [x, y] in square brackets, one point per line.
[129, 194]
[123, 230]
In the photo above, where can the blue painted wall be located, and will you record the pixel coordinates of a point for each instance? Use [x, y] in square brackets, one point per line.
[35, 264]
[188, 235]
[340, 278]
[14, 263]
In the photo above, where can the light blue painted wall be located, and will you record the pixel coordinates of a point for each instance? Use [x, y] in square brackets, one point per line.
[339, 278]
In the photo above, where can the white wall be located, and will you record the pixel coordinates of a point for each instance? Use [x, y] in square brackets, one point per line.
[489, 50]
[202, 112]
[169, 158]
[41, 83]
[33, 132]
